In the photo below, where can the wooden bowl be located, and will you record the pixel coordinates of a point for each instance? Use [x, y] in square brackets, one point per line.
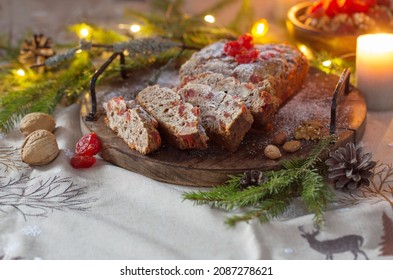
[334, 43]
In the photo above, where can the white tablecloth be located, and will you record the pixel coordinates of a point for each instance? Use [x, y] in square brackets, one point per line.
[106, 212]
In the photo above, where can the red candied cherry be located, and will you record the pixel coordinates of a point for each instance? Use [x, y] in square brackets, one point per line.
[383, 3]
[245, 41]
[317, 9]
[361, 7]
[247, 57]
[332, 8]
[88, 145]
[232, 48]
[78, 161]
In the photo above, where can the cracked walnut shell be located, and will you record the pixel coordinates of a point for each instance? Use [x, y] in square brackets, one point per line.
[309, 130]
[39, 148]
[34, 121]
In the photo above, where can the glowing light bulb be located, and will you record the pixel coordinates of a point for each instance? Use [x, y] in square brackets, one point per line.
[327, 63]
[21, 72]
[306, 51]
[84, 32]
[210, 19]
[135, 28]
[260, 28]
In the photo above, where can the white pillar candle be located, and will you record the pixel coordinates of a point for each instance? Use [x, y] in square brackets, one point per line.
[374, 70]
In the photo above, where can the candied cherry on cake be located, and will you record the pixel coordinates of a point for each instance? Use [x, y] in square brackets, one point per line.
[88, 145]
[242, 50]
[245, 41]
[247, 57]
[78, 161]
[232, 48]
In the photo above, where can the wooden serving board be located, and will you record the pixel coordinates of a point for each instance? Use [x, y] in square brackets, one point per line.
[212, 166]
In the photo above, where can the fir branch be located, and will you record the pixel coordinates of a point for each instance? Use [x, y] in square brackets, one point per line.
[316, 153]
[176, 25]
[316, 194]
[218, 196]
[44, 94]
[299, 177]
[267, 210]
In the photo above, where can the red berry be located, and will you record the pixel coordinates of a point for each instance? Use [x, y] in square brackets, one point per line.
[82, 161]
[332, 8]
[247, 57]
[232, 48]
[245, 41]
[88, 145]
[316, 9]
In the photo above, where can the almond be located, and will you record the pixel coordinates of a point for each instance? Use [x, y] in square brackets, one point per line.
[272, 152]
[291, 146]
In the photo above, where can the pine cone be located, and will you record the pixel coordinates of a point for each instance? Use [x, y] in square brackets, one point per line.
[349, 168]
[252, 178]
[36, 50]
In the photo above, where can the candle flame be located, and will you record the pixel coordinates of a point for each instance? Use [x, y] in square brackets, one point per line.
[376, 43]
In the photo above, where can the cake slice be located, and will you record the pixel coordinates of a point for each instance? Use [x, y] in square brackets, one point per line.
[258, 101]
[133, 124]
[179, 121]
[225, 117]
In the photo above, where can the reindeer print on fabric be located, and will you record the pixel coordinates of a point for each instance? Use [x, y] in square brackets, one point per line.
[347, 243]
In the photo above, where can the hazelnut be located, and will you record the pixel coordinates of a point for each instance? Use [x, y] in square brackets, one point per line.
[291, 146]
[272, 152]
[39, 148]
[34, 121]
[280, 138]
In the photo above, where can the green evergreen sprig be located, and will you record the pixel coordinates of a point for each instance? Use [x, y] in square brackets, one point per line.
[168, 19]
[298, 178]
[45, 92]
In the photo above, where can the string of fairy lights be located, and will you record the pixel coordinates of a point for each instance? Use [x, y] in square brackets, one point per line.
[259, 30]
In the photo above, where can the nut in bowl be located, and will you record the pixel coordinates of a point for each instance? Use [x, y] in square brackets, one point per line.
[334, 25]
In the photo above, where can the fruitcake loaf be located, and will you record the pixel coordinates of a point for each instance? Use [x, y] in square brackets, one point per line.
[257, 101]
[133, 124]
[179, 121]
[278, 71]
[225, 117]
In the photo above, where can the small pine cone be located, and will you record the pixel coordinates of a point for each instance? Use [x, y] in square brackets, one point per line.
[36, 50]
[349, 167]
[252, 178]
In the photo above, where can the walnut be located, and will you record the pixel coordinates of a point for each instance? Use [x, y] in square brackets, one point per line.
[34, 121]
[291, 146]
[39, 148]
[272, 152]
[309, 130]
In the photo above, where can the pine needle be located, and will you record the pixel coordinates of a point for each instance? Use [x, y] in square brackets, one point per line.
[299, 177]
